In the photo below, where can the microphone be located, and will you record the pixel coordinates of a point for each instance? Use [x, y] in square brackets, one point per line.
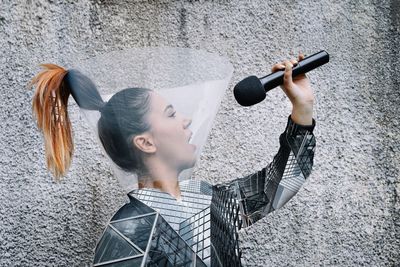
[252, 90]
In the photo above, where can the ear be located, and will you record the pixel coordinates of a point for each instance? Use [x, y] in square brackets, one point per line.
[145, 143]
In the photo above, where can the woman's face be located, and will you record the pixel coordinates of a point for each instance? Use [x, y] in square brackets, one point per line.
[171, 134]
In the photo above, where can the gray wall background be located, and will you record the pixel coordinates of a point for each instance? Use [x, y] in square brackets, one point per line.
[347, 214]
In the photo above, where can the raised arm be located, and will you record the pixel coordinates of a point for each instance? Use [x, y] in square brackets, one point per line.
[256, 195]
[272, 187]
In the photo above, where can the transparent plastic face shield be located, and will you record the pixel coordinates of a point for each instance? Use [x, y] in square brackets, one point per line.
[186, 86]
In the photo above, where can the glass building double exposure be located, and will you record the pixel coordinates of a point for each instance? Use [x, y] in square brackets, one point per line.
[168, 98]
[201, 229]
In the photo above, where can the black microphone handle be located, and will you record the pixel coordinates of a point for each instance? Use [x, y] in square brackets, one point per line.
[309, 63]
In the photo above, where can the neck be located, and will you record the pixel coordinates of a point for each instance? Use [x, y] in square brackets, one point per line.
[162, 177]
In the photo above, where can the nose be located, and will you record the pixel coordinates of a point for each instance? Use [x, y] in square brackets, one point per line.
[186, 123]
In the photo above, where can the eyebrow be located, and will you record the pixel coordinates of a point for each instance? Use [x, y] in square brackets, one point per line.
[168, 107]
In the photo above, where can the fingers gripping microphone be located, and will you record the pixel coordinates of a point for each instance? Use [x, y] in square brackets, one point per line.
[252, 90]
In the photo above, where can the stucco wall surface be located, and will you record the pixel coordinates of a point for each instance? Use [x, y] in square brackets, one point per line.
[347, 213]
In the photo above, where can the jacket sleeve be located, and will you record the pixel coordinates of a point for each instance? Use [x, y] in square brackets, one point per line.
[269, 189]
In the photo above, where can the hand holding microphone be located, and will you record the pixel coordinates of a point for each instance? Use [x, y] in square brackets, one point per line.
[292, 80]
[298, 90]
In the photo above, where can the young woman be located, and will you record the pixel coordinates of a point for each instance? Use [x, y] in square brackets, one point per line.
[142, 133]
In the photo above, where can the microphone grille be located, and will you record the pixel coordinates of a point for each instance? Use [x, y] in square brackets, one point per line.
[249, 91]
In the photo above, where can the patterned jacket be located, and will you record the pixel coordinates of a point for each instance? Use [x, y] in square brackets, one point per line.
[154, 229]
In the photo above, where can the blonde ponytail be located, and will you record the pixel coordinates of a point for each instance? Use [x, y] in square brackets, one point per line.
[49, 105]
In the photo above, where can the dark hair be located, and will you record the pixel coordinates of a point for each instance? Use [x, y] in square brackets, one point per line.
[122, 117]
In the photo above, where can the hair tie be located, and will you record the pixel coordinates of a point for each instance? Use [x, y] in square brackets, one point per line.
[101, 109]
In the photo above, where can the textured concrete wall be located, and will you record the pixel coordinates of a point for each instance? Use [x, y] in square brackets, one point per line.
[347, 214]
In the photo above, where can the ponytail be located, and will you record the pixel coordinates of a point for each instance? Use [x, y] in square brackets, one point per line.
[123, 117]
[50, 108]
[50, 102]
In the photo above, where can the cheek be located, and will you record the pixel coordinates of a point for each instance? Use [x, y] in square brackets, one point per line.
[169, 137]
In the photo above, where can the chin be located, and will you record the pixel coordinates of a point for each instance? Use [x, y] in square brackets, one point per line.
[188, 165]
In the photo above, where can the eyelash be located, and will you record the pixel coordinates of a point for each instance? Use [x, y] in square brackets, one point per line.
[173, 115]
